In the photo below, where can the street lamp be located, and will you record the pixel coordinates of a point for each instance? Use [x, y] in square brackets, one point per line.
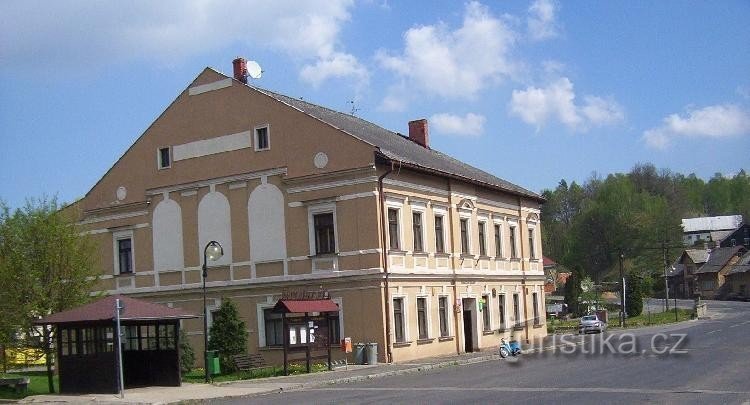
[622, 296]
[213, 251]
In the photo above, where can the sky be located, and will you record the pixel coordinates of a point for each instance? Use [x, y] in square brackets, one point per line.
[530, 91]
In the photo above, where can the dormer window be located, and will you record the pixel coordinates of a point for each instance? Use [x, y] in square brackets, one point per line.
[165, 158]
[262, 138]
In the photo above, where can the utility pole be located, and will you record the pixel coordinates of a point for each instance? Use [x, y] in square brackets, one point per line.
[622, 295]
[666, 283]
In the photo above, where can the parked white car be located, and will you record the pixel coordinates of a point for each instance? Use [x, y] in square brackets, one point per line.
[591, 323]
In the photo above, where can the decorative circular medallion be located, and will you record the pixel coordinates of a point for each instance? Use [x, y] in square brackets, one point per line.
[122, 192]
[321, 160]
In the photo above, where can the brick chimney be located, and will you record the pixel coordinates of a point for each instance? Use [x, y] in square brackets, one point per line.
[240, 69]
[418, 132]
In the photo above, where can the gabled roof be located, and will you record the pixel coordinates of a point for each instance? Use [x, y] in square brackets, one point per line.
[742, 266]
[104, 310]
[396, 147]
[698, 256]
[546, 261]
[718, 258]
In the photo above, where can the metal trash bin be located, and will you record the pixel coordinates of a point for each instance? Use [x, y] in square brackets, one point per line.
[359, 353]
[372, 353]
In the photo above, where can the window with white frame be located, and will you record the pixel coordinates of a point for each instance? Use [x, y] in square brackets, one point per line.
[417, 230]
[464, 228]
[399, 320]
[498, 241]
[516, 310]
[262, 138]
[123, 252]
[501, 310]
[512, 240]
[393, 228]
[535, 301]
[444, 313]
[273, 327]
[322, 229]
[532, 245]
[439, 234]
[164, 158]
[482, 239]
[422, 316]
[486, 313]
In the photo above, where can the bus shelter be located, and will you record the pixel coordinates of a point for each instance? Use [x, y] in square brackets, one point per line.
[86, 340]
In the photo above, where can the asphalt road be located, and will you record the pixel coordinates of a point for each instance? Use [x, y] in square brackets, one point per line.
[701, 362]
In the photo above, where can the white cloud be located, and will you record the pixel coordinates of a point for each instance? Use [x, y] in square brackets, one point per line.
[335, 65]
[455, 63]
[541, 22]
[81, 35]
[716, 121]
[537, 106]
[469, 125]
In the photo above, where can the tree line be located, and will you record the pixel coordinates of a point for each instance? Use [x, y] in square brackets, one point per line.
[637, 215]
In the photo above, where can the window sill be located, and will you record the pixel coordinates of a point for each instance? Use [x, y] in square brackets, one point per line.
[132, 273]
[442, 255]
[467, 256]
[488, 332]
[270, 348]
[518, 327]
[534, 259]
[322, 256]
[538, 325]
[420, 254]
[485, 257]
[425, 341]
[396, 252]
[515, 259]
[401, 344]
[445, 338]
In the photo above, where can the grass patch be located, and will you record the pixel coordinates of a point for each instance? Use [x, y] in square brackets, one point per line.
[198, 375]
[37, 385]
[658, 318]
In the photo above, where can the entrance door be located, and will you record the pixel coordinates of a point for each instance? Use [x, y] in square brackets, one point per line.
[468, 316]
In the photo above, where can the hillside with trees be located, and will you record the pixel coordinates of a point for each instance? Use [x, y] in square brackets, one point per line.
[636, 214]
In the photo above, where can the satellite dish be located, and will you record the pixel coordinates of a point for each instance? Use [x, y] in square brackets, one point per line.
[253, 69]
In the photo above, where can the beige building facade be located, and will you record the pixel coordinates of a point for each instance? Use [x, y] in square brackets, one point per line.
[425, 255]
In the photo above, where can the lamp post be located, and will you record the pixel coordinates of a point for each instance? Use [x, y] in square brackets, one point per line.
[622, 296]
[213, 251]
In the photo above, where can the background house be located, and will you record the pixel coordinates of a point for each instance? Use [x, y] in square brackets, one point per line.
[424, 254]
[709, 278]
[738, 278]
[708, 229]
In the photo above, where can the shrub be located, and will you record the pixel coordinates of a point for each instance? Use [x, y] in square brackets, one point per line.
[187, 354]
[228, 335]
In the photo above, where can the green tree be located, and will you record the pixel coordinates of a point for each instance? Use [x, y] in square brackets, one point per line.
[633, 294]
[573, 290]
[228, 334]
[50, 266]
[187, 354]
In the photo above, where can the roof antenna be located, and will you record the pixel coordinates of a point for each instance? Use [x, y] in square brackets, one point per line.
[354, 107]
[253, 70]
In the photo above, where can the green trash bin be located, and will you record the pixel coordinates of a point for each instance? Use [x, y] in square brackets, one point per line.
[359, 353]
[213, 362]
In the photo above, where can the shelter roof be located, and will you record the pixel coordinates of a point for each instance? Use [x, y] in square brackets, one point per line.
[104, 310]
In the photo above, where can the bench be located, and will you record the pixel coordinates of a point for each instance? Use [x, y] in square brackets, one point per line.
[250, 362]
[19, 384]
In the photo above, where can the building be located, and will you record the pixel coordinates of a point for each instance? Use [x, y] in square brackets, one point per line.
[737, 237]
[710, 277]
[738, 279]
[424, 254]
[708, 229]
[682, 274]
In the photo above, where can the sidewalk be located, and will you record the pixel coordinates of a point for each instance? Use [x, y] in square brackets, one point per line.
[261, 386]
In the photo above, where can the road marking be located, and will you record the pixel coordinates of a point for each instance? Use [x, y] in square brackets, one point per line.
[542, 389]
[713, 331]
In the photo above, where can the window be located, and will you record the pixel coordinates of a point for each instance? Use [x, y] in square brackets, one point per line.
[148, 337]
[464, 235]
[516, 310]
[498, 242]
[167, 337]
[130, 340]
[532, 250]
[393, 228]
[422, 317]
[273, 326]
[165, 160]
[398, 319]
[325, 238]
[707, 285]
[69, 342]
[105, 342]
[501, 309]
[734, 242]
[535, 299]
[486, 313]
[125, 255]
[512, 238]
[262, 139]
[482, 242]
[416, 218]
[439, 242]
[443, 310]
[88, 341]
